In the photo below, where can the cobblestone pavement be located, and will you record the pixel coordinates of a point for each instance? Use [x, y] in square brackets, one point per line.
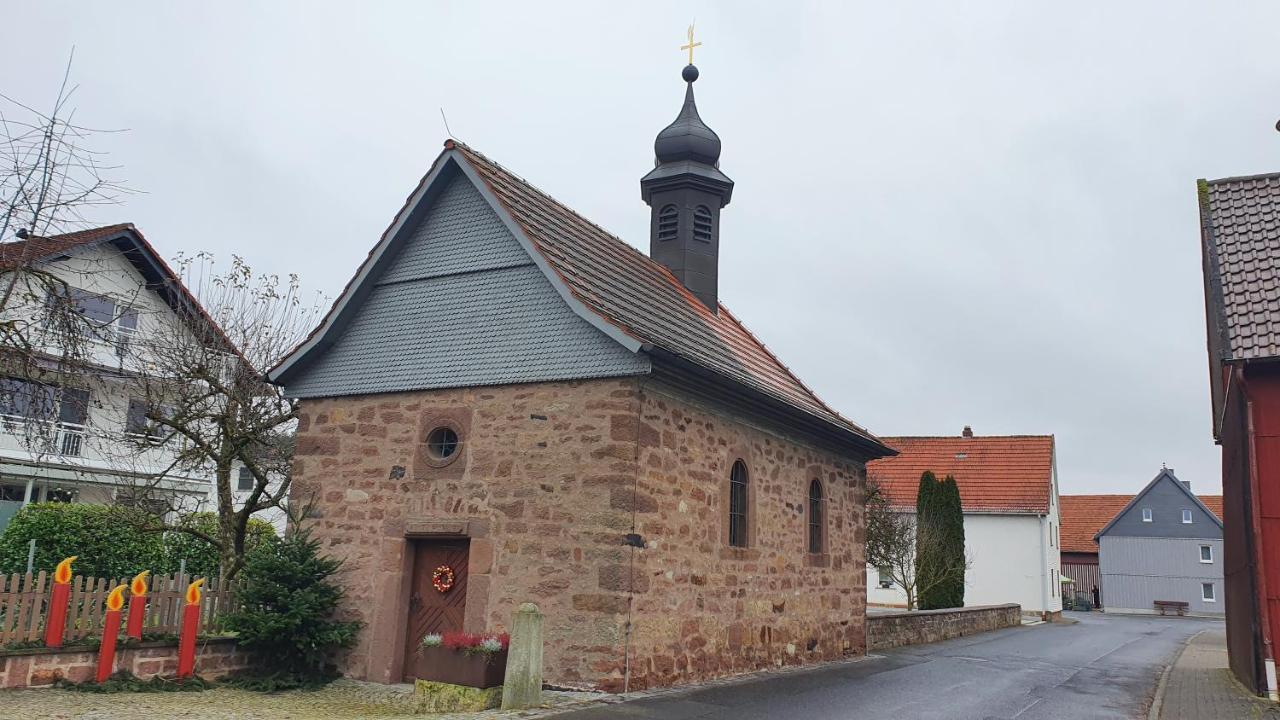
[343, 699]
[1200, 687]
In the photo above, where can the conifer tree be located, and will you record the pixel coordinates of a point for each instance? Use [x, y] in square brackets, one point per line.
[940, 555]
[287, 612]
[928, 555]
[952, 558]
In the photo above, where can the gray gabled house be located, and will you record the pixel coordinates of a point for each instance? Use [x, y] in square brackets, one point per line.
[1164, 546]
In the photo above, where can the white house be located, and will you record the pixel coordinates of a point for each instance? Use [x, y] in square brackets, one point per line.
[70, 436]
[1009, 494]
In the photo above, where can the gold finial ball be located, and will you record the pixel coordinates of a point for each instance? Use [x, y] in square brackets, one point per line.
[690, 73]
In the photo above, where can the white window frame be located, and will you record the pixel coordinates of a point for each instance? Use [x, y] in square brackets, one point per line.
[1212, 596]
[1210, 549]
[1146, 515]
[1186, 517]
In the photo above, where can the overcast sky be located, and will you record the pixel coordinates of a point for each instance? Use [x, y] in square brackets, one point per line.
[945, 214]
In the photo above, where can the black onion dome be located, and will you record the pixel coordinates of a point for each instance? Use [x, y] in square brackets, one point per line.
[688, 138]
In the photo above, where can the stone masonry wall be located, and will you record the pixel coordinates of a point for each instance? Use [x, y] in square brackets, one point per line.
[704, 608]
[542, 485]
[890, 630]
[550, 478]
[36, 667]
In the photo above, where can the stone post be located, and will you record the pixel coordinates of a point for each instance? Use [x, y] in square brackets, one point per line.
[522, 687]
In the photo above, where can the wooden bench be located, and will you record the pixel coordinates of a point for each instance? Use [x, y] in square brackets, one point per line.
[1163, 605]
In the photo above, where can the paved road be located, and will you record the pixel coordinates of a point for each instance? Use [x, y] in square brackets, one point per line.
[1104, 666]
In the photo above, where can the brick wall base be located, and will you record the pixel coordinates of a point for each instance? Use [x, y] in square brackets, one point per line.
[895, 629]
[37, 667]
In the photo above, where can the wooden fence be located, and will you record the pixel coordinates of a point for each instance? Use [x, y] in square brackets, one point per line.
[24, 600]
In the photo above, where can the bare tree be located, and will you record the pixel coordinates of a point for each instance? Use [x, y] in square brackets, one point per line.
[893, 535]
[49, 178]
[207, 404]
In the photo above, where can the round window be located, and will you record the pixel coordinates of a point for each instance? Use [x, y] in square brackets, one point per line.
[442, 443]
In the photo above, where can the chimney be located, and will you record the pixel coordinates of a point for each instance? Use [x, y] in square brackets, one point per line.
[1186, 484]
[686, 191]
[967, 432]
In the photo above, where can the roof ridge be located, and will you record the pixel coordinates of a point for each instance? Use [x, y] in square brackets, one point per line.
[575, 213]
[962, 437]
[100, 228]
[1243, 178]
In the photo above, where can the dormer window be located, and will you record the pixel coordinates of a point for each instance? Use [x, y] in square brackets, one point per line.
[702, 224]
[668, 222]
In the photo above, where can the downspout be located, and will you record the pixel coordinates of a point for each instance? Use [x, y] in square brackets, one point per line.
[1255, 523]
[633, 541]
[1045, 580]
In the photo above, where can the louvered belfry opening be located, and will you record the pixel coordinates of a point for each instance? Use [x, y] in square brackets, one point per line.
[738, 499]
[686, 192]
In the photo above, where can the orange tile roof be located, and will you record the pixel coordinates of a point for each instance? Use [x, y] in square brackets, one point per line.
[995, 473]
[1082, 516]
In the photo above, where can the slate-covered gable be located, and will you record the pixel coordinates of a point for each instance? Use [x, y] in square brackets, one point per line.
[461, 304]
[1166, 497]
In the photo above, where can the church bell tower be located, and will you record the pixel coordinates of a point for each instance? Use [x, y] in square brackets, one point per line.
[685, 192]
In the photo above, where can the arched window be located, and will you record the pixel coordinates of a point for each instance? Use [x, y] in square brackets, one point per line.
[702, 224]
[738, 499]
[815, 517]
[668, 222]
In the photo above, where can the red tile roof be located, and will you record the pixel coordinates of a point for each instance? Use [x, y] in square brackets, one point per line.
[149, 263]
[35, 248]
[1082, 516]
[640, 296]
[995, 473]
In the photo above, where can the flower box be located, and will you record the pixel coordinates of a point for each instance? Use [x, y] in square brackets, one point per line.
[478, 661]
[477, 670]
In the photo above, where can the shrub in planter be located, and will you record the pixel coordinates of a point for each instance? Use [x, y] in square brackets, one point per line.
[459, 658]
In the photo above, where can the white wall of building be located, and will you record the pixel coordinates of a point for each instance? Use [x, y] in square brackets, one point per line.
[96, 462]
[1012, 562]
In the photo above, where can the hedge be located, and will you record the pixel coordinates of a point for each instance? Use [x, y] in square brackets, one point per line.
[109, 541]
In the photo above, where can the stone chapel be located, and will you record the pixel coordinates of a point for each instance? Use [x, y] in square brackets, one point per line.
[506, 389]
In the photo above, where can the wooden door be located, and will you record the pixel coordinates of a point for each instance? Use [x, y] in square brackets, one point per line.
[432, 611]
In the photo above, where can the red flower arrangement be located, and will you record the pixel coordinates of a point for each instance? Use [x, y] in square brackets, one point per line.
[475, 643]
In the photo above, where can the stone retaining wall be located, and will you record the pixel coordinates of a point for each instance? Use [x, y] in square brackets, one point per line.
[895, 629]
[36, 667]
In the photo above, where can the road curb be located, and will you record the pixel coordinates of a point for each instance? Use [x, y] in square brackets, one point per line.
[1158, 701]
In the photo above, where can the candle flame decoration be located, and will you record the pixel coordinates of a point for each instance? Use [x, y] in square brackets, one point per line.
[62, 575]
[193, 592]
[138, 586]
[115, 600]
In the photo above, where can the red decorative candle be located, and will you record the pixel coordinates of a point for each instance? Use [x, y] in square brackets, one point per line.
[137, 605]
[110, 629]
[190, 625]
[56, 624]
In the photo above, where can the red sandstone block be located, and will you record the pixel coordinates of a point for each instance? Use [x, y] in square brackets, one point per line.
[44, 676]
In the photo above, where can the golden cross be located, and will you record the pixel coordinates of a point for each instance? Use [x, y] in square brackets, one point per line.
[691, 45]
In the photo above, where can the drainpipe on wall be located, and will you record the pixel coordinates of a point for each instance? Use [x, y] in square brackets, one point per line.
[634, 541]
[1045, 580]
[1255, 522]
